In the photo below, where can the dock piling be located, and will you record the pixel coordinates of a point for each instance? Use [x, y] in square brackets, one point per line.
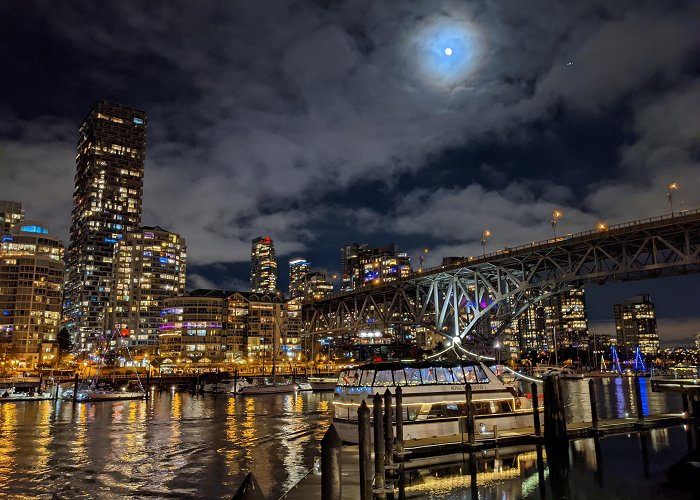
[554, 411]
[536, 410]
[331, 446]
[365, 445]
[470, 415]
[594, 406]
[388, 444]
[686, 407]
[638, 397]
[399, 423]
[379, 488]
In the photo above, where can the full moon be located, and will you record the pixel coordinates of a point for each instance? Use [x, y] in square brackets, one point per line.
[448, 51]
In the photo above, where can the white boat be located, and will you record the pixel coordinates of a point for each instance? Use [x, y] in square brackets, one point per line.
[226, 386]
[323, 383]
[102, 393]
[564, 373]
[433, 397]
[304, 386]
[268, 387]
[11, 394]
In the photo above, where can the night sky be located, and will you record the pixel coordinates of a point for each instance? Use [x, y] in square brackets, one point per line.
[325, 123]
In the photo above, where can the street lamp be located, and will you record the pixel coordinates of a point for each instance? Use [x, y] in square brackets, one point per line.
[484, 239]
[602, 226]
[556, 215]
[669, 194]
[422, 256]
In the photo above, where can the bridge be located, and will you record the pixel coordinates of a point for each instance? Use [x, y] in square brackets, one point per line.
[453, 299]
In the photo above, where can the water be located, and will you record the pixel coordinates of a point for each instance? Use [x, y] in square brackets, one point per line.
[181, 445]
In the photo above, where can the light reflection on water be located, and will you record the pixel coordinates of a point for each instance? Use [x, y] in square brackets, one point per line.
[175, 445]
[180, 445]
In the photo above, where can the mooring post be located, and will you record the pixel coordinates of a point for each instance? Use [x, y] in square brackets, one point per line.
[536, 410]
[331, 445]
[75, 389]
[638, 397]
[554, 412]
[388, 442]
[399, 424]
[470, 415]
[365, 444]
[379, 489]
[594, 406]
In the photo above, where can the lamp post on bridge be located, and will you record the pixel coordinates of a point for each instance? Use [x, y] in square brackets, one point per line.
[422, 257]
[669, 194]
[484, 239]
[556, 215]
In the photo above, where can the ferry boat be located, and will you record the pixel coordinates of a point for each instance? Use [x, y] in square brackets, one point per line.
[433, 397]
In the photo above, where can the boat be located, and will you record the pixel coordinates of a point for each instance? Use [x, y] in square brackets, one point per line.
[268, 386]
[323, 383]
[433, 395]
[226, 386]
[564, 373]
[103, 392]
[11, 394]
[305, 386]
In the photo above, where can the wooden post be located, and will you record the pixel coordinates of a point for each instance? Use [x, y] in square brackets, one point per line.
[365, 444]
[331, 445]
[594, 406]
[554, 412]
[388, 441]
[638, 397]
[75, 389]
[470, 415]
[379, 489]
[536, 410]
[399, 423]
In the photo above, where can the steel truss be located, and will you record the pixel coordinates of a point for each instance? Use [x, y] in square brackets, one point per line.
[453, 300]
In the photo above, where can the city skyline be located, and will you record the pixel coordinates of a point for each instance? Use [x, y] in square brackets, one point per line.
[229, 162]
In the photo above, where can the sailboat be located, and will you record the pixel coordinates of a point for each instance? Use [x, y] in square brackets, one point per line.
[94, 389]
[270, 385]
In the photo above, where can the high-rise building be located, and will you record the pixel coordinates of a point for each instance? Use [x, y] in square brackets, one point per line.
[263, 266]
[106, 206]
[150, 266]
[298, 268]
[31, 279]
[635, 326]
[11, 214]
[372, 266]
[565, 317]
[315, 286]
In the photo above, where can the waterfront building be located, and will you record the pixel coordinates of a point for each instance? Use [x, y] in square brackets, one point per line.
[263, 266]
[531, 330]
[565, 317]
[150, 266]
[635, 326]
[31, 280]
[106, 206]
[11, 214]
[298, 268]
[361, 265]
[697, 340]
[191, 335]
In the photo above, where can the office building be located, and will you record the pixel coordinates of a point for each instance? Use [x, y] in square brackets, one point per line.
[31, 279]
[106, 206]
[298, 268]
[635, 326]
[361, 265]
[565, 317]
[263, 266]
[150, 267]
[315, 286]
[11, 214]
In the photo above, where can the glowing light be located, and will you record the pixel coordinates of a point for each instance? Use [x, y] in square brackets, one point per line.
[448, 51]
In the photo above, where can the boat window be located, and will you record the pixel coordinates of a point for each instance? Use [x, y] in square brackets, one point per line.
[482, 407]
[399, 377]
[457, 374]
[413, 376]
[383, 378]
[505, 406]
[443, 375]
[481, 376]
[475, 375]
[366, 377]
[428, 375]
[348, 378]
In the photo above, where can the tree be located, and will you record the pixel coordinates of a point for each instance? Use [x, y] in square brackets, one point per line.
[65, 344]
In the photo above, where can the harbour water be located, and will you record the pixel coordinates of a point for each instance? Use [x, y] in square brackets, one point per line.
[182, 445]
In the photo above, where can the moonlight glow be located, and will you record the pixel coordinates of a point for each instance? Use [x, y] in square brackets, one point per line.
[446, 51]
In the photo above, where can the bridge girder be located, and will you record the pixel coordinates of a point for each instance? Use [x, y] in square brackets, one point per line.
[452, 300]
